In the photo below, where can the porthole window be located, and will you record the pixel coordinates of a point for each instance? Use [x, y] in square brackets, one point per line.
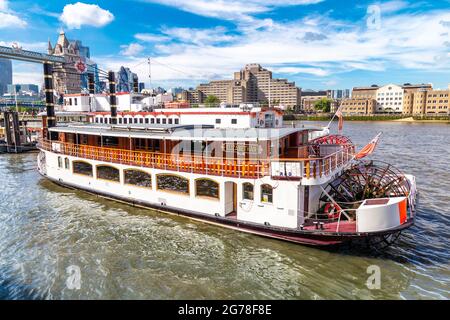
[172, 183]
[108, 173]
[83, 168]
[138, 178]
[206, 188]
[266, 193]
[247, 191]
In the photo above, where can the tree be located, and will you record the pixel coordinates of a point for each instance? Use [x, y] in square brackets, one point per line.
[212, 100]
[323, 105]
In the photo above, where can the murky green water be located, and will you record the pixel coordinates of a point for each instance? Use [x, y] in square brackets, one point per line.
[124, 252]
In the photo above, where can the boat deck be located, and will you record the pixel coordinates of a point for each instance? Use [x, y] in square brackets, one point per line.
[344, 226]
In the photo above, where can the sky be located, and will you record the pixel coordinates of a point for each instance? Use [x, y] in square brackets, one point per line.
[319, 44]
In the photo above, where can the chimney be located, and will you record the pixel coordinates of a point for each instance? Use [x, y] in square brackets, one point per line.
[112, 96]
[48, 89]
[91, 83]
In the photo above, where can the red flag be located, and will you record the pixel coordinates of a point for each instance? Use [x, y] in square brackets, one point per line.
[369, 148]
[341, 119]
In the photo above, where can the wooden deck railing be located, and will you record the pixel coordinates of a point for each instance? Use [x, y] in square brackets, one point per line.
[243, 168]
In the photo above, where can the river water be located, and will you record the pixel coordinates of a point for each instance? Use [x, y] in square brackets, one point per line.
[54, 240]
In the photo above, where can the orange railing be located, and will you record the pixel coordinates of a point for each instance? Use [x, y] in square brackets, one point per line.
[244, 168]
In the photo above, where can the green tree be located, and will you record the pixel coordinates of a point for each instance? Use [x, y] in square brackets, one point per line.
[323, 105]
[212, 100]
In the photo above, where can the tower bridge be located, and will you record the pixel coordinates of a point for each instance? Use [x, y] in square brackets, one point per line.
[28, 56]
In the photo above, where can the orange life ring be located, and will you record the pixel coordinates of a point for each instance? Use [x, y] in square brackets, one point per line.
[333, 211]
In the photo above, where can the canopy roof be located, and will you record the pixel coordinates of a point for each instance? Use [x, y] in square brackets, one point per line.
[182, 132]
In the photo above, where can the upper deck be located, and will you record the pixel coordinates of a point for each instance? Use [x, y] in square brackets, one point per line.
[282, 153]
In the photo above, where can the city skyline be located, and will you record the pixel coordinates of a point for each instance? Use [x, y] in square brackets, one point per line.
[319, 44]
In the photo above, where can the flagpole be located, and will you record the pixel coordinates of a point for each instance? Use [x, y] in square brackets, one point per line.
[334, 116]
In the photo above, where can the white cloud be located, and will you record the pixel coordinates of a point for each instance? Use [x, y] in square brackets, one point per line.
[232, 9]
[3, 5]
[9, 19]
[296, 70]
[32, 46]
[133, 49]
[408, 41]
[198, 36]
[74, 16]
[148, 37]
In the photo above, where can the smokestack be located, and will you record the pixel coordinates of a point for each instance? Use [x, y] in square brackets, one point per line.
[112, 96]
[136, 84]
[49, 103]
[91, 83]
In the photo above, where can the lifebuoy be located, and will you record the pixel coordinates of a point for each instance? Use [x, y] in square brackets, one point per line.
[332, 210]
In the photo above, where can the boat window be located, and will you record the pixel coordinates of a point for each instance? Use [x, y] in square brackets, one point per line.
[125, 120]
[156, 145]
[172, 183]
[67, 163]
[108, 173]
[146, 120]
[266, 193]
[164, 121]
[138, 178]
[141, 120]
[217, 121]
[170, 121]
[59, 162]
[81, 167]
[110, 141]
[247, 191]
[177, 121]
[233, 121]
[206, 188]
[158, 120]
[152, 120]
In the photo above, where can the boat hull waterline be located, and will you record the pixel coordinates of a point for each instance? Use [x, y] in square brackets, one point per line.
[304, 237]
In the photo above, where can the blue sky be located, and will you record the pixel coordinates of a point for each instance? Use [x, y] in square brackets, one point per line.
[319, 44]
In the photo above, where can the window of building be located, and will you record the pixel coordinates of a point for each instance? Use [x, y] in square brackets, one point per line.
[67, 163]
[138, 178]
[206, 188]
[59, 162]
[172, 183]
[247, 191]
[266, 193]
[83, 168]
[108, 173]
